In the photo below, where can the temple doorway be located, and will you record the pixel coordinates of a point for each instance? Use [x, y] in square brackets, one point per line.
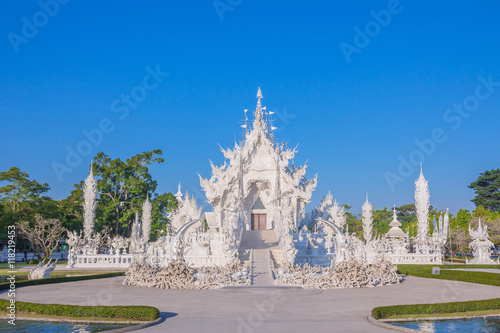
[259, 221]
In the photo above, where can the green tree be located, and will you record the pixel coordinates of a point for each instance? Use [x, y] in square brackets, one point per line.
[162, 205]
[487, 189]
[72, 209]
[461, 220]
[21, 199]
[19, 189]
[485, 214]
[353, 223]
[381, 220]
[123, 186]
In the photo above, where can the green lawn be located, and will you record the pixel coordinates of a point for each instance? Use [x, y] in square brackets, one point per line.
[56, 279]
[492, 279]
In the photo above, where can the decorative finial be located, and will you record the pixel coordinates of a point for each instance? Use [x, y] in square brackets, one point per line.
[179, 195]
[259, 93]
[421, 168]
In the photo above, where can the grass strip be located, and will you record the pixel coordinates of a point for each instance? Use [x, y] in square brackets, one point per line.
[491, 279]
[438, 309]
[137, 313]
[6, 285]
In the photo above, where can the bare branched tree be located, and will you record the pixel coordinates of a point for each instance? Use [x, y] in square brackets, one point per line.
[44, 236]
[459, 239]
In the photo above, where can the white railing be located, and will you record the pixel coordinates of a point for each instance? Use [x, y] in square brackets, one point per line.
[416, 258]
[103, 261]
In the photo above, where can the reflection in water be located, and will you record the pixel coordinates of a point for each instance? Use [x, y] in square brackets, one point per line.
[470, 325]
[426, 326]
[29, 326]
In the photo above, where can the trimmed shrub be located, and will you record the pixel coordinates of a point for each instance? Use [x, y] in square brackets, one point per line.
[139, 313]
[385, 312]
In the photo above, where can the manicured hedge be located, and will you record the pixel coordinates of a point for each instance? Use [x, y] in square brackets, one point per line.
[139, 313]
[6, 285]
[492, 279]
[385, 312]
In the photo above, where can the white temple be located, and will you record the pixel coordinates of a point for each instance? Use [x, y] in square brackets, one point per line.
[258, 189]
[258, 181]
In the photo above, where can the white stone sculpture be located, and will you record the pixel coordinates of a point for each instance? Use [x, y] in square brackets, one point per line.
[481, 245]
[395, 231]
[89, 204]
[422, 205]
[42, 270]
[367, 219]
[347, 274]
[186, 211]
[147, 210]
[178, 275]
[330, 209]
[136, 241]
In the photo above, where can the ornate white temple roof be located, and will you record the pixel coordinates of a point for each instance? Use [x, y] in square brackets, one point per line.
[258, 168]
[395, 230]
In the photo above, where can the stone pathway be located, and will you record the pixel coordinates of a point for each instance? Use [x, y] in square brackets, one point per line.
[261, 242]
[272, 309]
[262, 276]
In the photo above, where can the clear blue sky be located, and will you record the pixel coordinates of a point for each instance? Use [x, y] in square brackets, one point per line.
[353, 120]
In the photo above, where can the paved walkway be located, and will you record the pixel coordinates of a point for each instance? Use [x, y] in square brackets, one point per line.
[262, 276]
[260, 241]
[271, 309]
[485, 270]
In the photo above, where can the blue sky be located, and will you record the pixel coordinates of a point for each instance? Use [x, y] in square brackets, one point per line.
[355, 117]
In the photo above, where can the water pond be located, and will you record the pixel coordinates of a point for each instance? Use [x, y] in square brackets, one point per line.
[29, 326]
[470, 325]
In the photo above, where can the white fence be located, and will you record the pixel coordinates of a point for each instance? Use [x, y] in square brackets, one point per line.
[416, 258]
[103, 261]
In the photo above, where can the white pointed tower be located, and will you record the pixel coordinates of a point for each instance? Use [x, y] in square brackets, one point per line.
[147, 210]
[89, 204]
[367, 217]
[422, 204]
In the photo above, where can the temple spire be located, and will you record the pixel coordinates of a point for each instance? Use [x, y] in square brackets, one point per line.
[179, 194]
[258, 110]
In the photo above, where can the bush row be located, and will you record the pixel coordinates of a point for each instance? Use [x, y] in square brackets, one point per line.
[140, 313]
[385, 312]
[492, 279]
[6, 285]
